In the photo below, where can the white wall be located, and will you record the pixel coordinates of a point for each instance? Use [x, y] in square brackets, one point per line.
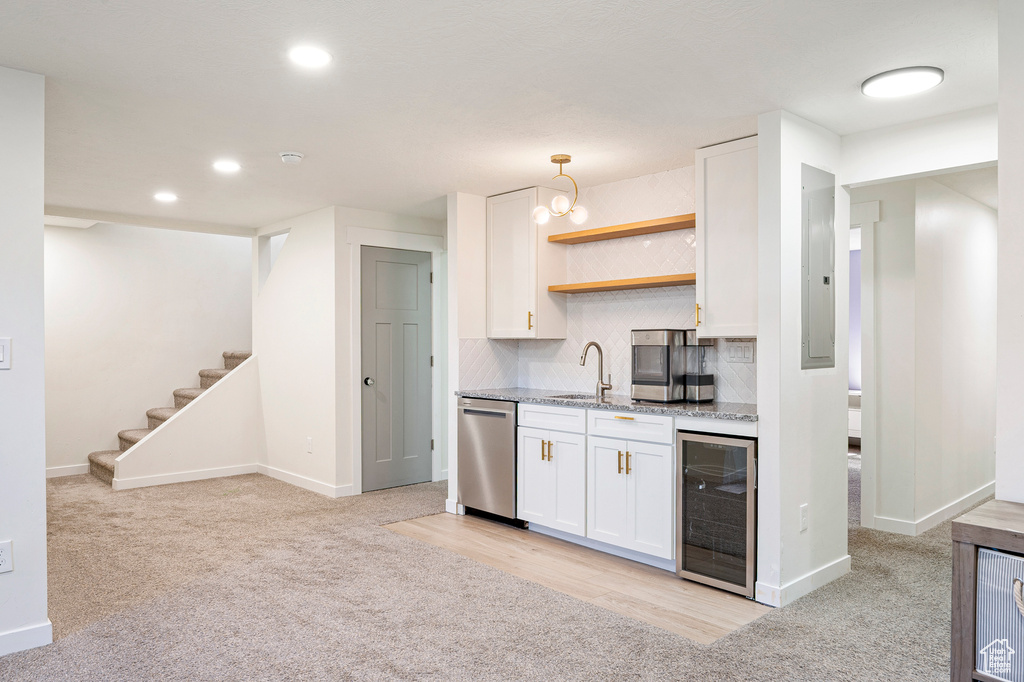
[961, 140]
[220, 433]
[934, 285]
[294, 336]
[802, 415]
[23, 621]
[892, 349]
[1010, 315]
[133, 313]
[956, 350]
[304, 329]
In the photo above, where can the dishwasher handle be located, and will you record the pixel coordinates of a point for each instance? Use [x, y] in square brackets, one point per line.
[483, 413]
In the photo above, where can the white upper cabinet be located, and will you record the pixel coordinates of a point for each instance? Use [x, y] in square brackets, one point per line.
[726, 237]
[521, 264]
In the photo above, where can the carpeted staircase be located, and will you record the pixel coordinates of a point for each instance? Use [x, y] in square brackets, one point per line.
[101, 463]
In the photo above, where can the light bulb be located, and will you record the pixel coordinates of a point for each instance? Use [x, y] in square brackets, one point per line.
[578, 215]
[541, 215]
[226, 166]
[309, 57]
[560, 204]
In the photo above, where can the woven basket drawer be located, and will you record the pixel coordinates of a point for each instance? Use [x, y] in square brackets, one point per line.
[999, 637]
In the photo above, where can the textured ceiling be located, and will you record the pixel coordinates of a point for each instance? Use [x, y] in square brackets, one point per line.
[425, 98]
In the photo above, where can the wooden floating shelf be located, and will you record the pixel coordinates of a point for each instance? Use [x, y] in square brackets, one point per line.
[622, 284]
[677, 222]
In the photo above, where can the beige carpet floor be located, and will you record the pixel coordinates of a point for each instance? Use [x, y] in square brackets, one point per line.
[248, 578]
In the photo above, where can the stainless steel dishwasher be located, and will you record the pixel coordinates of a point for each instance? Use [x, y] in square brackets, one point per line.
[487, 456]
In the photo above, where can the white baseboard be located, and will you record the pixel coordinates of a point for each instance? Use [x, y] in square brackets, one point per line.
[789, 593]
[915, 528]
[69, 470]
[26, 638]
[307, 483]
[453, 507]
[182, 477]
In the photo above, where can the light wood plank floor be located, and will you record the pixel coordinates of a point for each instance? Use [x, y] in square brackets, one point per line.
[695, 611]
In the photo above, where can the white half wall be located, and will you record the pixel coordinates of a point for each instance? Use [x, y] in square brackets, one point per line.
[961, 140]
[802, 414]
[1010, 314]
[220, 433]
[133, 313]
[23, 621]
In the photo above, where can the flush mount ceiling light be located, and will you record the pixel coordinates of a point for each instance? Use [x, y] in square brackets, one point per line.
[166, 197]
[292, 158]
[226, 166]
[310, 57]
[901, 82]
[560, 205]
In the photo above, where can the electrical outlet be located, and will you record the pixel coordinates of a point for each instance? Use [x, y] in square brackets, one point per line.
[6, 562]
[803, 517]
[309, 444]
[5, 353]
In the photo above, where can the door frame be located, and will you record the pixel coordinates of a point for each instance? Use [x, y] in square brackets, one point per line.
[866, 215]
[358, 237]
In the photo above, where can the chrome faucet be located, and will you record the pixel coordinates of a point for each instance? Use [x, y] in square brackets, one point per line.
[601, 385]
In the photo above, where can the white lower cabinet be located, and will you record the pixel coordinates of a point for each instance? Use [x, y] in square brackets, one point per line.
[551, 479]
[630, 502]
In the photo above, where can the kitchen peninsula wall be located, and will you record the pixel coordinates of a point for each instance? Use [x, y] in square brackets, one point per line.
[608, 317]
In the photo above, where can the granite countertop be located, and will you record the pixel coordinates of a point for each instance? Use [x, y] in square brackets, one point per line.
[744, 412]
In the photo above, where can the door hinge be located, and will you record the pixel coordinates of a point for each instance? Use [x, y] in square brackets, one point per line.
[431, 443]
[431, 278]
[431, 360]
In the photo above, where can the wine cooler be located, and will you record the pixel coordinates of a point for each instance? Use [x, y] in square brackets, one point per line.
[716, 510]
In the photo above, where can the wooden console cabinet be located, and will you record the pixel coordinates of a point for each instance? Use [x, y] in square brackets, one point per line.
[996, 525]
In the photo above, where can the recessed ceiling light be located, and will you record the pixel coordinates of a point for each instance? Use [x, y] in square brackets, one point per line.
[166, 197]
[902, 82]
[309, 56]
[227, 166]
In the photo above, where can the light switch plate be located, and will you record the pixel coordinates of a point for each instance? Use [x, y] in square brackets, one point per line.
[6, 561]
[740, 351]
[5, 353]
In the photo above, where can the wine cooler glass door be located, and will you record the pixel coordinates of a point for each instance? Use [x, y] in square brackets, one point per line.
[716, 504]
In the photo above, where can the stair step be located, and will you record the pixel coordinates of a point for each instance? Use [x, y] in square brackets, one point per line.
[158, 415]
[130, 437]
[233, 358]
[208, 377]
[183, 396]
[101, 464]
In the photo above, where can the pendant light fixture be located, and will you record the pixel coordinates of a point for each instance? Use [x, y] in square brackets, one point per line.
[560, 205]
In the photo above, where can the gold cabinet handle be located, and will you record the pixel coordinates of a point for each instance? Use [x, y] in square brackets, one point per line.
[620, 461]
[626, 418]
[542, 457]
[529, 320]
[549, 451]
[627, 463]
[697, 323]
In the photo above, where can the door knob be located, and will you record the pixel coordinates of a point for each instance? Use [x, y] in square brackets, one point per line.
[368, 381]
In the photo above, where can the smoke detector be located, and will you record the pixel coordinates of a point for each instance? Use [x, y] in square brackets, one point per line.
[292, 158]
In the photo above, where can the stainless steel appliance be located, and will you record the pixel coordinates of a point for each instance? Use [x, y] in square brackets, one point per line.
[660, 366]
[699, 382]
[487, 456]
[716, 510]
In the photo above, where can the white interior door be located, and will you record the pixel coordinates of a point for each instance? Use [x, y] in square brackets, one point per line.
[396, 404]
